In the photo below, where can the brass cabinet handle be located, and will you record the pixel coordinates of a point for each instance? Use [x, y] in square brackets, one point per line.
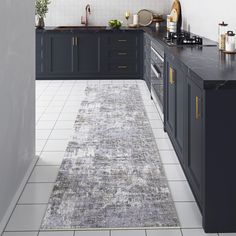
[171, 76]
[197, 111]
[122, 67]
[122, 40]
[122, 53]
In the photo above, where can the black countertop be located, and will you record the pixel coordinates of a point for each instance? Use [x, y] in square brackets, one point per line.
[212, 68]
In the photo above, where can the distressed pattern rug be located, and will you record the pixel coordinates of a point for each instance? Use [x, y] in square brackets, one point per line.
[111, 175]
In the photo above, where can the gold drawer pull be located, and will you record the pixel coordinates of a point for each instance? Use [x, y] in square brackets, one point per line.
[198, 115]
[171, 76]
[122, 40]
[122, 53]
[122, 67]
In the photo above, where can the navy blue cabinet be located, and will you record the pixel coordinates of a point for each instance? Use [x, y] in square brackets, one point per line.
[174, 105]
[121, 53]
[201, 125]
[194, 138]
[74, 54]
[59, 54]
[87, 53]
[40, 54]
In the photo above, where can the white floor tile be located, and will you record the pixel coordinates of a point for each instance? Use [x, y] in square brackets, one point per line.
[70, 109]
[128, 233]
[181, 191]
[164, 144]
[153, 116]
[189, 214]
[68, 116]
[40, 144]
[49, 117]
[64, 125]
[61, 134]
[151, 109]
[168, 232]
[44, 174]
[20, 234]
[156, 124]
[49, 124]
[55, 146]
[174, 172]
[196, 232]
[26, 217]
[36, 193]
[50, 159]
[92, 233]
[160, 133]
[43, 134]
[53, 109]
[57, 233]
[169, 157]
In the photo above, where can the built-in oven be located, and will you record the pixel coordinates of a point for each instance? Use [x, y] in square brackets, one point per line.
[157, 76]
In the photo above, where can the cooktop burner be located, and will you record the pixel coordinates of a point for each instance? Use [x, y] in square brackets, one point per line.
[182, 38]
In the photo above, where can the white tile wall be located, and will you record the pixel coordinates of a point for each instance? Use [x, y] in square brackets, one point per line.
[69, 12]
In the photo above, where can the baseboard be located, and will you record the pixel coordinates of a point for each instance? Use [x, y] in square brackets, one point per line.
[17, 195]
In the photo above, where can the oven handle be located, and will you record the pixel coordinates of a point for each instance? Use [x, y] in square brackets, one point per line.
[158, 74]
[157, 54]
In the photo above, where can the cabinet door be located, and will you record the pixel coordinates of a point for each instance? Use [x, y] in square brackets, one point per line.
[180, 111]
[194, 163]
[60, 47]
[39, 54]
[87, 54]
[170, 96]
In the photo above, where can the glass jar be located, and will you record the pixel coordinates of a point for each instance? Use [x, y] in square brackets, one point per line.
[230, 42]
[222, 35]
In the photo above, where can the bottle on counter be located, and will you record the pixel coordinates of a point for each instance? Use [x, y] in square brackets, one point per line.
[135, 19]
[222, 35]
[169, 19]
[230, 42]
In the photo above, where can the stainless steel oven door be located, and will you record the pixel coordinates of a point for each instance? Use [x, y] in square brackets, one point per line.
[157, 86]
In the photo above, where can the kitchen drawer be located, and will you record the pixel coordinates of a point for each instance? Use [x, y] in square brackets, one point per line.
[121, 54]
[121, 68]
[121, 40]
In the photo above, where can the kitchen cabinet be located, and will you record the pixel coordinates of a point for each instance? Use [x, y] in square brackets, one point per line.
[183, 122]
[174, 110]
[121, 53]
[40, 54]
[60, 54]
[194, 138]
[87, 54]
[71, 55]
[201, 125]
[75, 54]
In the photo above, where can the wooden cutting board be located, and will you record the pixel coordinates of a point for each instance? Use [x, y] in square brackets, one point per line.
[176, 11]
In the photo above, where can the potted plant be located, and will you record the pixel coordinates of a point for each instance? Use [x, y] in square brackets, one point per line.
[41, 9]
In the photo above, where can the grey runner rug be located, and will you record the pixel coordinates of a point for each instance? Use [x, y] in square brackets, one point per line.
[111, 175]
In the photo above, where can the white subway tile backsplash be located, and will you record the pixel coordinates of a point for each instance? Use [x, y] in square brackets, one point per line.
[69, 12]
